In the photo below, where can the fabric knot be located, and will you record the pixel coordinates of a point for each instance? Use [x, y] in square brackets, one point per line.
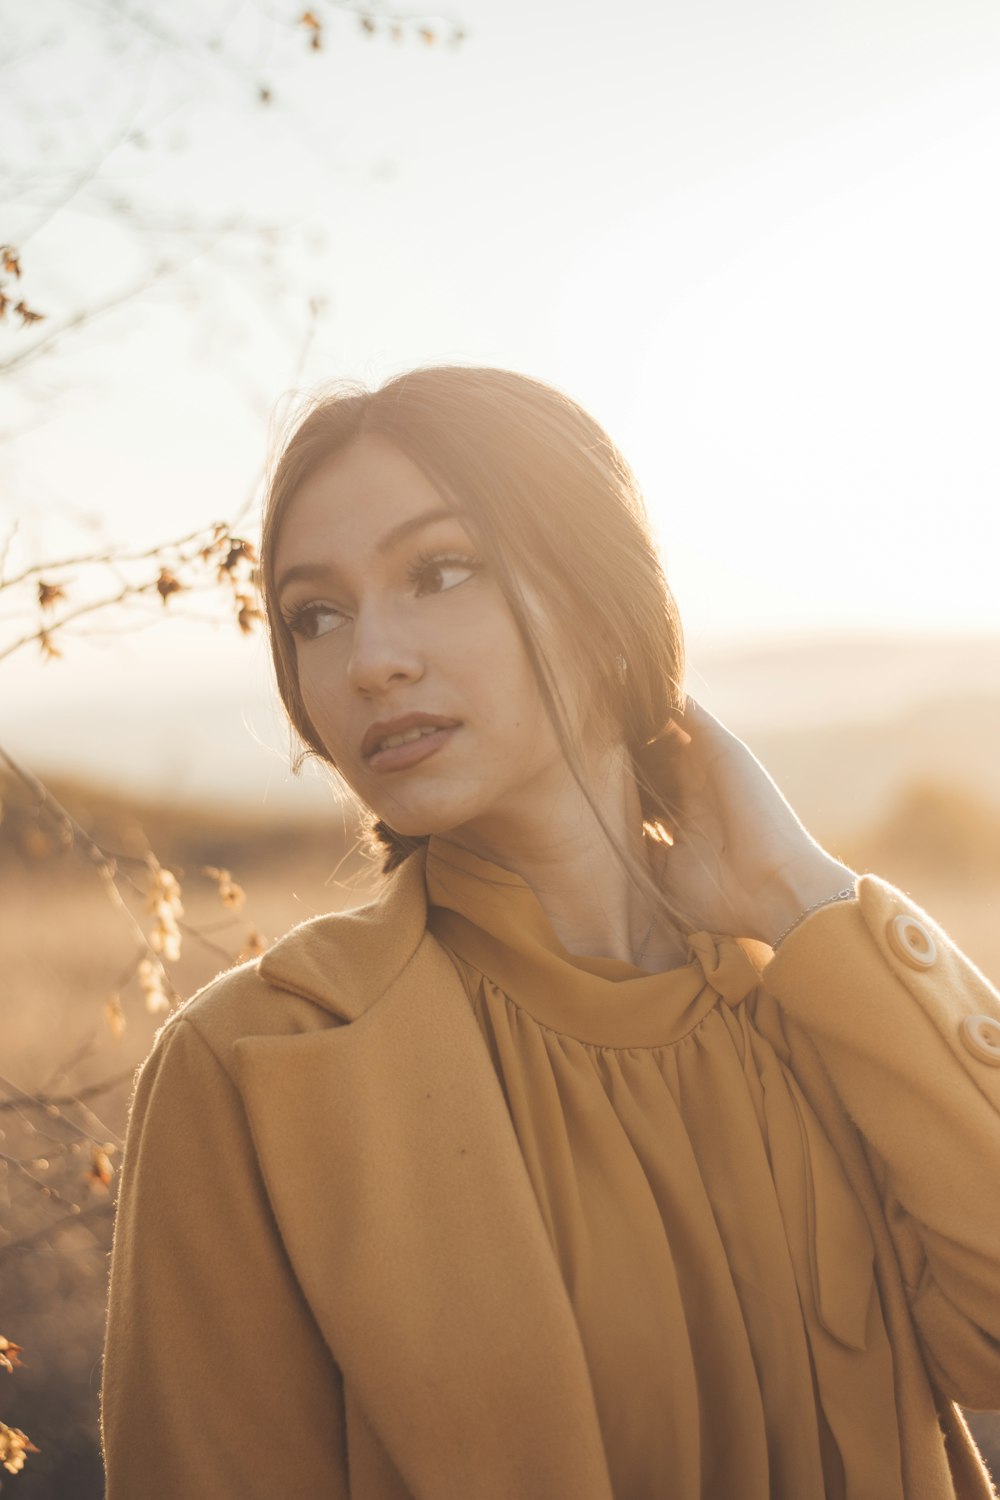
[726, 964]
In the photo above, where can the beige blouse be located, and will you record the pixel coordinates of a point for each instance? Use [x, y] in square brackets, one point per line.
[718, 1263]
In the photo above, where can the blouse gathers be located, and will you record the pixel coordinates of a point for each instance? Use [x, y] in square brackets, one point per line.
[719, 1266]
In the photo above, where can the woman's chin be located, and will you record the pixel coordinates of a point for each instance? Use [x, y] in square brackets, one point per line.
[418, 823]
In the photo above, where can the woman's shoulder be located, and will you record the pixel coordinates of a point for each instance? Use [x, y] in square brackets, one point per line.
[261, 997]
[322, 973]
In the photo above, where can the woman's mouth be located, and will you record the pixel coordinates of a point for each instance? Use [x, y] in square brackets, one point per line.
[406, 747]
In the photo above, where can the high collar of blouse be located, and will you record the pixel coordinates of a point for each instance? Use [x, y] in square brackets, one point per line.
[491, 918]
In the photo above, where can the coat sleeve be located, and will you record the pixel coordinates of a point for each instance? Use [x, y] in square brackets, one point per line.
[908, 1030]
[216, 1380]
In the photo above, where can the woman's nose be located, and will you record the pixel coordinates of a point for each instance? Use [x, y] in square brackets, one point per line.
[383, 652]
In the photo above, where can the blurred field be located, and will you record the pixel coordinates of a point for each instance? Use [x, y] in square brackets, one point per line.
[64, 950]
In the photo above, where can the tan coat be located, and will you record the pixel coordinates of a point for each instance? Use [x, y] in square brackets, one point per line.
[330, 1277]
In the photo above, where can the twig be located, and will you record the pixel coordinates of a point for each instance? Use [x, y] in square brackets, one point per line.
[44, 1101]
[26, 1161]
[91, 314]
[87, 174]
[47, 1189]
[57, 1102]
[82, 1216]
[79, 320]
[58, 813]
[94, 558]
[44, 631]
[130, 593]
[106, 867]
[78, 1053]
[5, 550]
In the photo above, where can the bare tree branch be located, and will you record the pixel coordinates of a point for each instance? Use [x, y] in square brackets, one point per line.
[89, 315]
[29, 1176]
[61, 1101]
[8, 542]
[87, 174]
[77, 1054]
[54, 1104]
[87, 559]
[103, 1210]
[105, 866]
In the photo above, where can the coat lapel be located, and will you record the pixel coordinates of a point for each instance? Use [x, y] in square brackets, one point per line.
[409, 1217]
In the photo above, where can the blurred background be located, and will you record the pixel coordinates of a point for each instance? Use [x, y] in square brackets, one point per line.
[759, 242]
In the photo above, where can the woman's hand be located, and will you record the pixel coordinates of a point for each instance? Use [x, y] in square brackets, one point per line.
[742, 862]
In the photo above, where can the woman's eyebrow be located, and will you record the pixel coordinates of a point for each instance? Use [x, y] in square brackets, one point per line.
[315, 572]
[399, 533]
[303, 573]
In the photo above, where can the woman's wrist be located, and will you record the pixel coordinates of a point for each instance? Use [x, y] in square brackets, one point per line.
[834, 882]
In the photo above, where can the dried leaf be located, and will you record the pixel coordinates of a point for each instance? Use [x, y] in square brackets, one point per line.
[247, 613]
[14, 1445]
[163, 899]
[27, 314]
[48, 650]
[427, 36]
[101, 1171]
[50, 594]
[167, 584]
[151, 983]
[238, 550]
[368, 24]
[254, 946]
[115, 1016]
[165, 937]
[10, 261]
[164, 887]
[230, 894]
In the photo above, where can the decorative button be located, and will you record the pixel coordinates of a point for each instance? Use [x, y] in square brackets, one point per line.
[911, 941]
[981, 1034]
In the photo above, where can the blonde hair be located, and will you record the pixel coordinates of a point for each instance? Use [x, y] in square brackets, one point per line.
[557, 512]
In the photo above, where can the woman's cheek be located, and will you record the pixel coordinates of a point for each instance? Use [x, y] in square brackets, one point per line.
[323, 715]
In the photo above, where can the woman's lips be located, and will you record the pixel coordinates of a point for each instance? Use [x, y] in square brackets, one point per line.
[401, 757]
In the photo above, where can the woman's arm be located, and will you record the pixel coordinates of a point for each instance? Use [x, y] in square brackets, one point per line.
[908, 1030]
[216, 1381]
[888, 1002]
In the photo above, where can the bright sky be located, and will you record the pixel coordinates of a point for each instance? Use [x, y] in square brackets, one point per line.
[759, 241]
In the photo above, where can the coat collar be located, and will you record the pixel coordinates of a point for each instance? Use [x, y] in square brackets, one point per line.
[405, 1207]
[346, 961]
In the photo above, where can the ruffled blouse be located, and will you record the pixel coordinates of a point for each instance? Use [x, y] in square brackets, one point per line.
[717, 1261]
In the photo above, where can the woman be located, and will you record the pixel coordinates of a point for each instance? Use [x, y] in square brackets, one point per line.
[545, 1175]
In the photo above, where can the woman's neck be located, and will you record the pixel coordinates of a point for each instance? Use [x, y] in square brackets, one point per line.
[568, 860]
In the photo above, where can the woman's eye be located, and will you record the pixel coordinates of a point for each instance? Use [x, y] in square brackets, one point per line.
[433, 575]
[313, 620]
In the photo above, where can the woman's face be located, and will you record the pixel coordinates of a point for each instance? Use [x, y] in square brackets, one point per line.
[410, 664]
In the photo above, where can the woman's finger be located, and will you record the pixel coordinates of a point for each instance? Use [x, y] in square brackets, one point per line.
[699, 717]
[673, 735]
